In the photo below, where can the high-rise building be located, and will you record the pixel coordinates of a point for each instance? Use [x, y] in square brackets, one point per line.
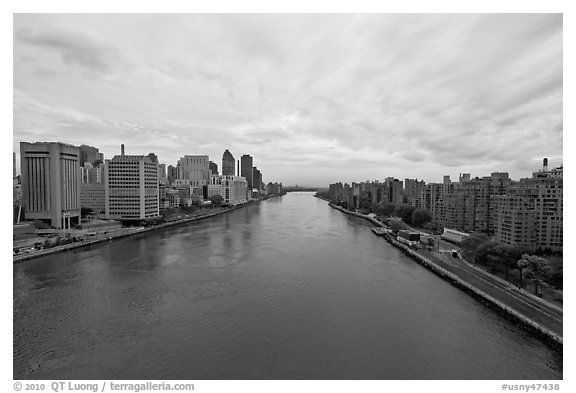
[469, 205]
[376, 192]
[464, 177]
[353, 195]
[531, 212]
[213, 168]
[193, 173]
[228, 163]
[131, 188]
[274, 188]
[92, 174]
[431, 198]
[93, 188]
[412, 189]
[90, 154]
[162, 173]
[153, 157]
[256, 179]
[193, 170]
[51, 177]
[246, 165]
[232, 189]
[515, 222]
[93, 196]
[336, 192]
[393, 191]
[172, 173]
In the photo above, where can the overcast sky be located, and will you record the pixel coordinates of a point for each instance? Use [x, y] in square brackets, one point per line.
[313, 98]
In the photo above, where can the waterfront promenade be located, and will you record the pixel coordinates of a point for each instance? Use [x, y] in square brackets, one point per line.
[544, 318]
[121, 233]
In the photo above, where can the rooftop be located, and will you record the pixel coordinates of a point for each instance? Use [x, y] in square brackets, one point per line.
[126, 158]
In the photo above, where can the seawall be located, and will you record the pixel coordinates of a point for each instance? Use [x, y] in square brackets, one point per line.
[121, 233]
[457, 281]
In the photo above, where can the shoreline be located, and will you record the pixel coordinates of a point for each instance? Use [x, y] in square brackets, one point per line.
[125, 232]
[550, 337]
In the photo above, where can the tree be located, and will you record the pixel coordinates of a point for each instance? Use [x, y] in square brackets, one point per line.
[509, 255]
[522, 265]
[384, 209]
[397, 226]
[554, 273]
[434, 227]
[535, 269]
[217, 200]
[471, 244]
[421, 217]
[364, 202]
[168, 212]
[486, 253]
[405, 212]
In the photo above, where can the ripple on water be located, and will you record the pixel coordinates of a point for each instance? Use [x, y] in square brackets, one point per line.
[290, 289]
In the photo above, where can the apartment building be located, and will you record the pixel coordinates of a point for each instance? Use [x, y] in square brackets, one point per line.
[132, 191]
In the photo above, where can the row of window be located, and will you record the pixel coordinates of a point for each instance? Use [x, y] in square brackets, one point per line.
[120, 179]
[132, 187]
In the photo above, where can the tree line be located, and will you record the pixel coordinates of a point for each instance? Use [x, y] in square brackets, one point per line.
[480, 249]
[516, 263]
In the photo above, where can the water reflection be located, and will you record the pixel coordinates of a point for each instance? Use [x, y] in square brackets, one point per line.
[288, 288]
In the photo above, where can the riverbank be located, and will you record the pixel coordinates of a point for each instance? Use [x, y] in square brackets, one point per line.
[243, 287]
[533, 314]
[125, 232]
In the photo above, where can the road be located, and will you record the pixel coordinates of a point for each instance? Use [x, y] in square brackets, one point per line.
[28, 253]
[547, 315]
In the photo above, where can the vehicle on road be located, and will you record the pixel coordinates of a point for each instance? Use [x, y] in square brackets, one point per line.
[409, 238]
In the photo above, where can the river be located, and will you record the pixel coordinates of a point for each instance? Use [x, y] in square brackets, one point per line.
[288, 288]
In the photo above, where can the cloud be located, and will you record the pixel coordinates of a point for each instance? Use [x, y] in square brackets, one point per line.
[74, 48]
[392, 95]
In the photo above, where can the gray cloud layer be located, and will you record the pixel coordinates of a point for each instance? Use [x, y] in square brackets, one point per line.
[314, 98]
[73, 48]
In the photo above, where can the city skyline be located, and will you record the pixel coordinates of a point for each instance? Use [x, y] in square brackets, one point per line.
[313, 98]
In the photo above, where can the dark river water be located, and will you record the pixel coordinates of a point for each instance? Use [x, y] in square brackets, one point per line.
[288, 288]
